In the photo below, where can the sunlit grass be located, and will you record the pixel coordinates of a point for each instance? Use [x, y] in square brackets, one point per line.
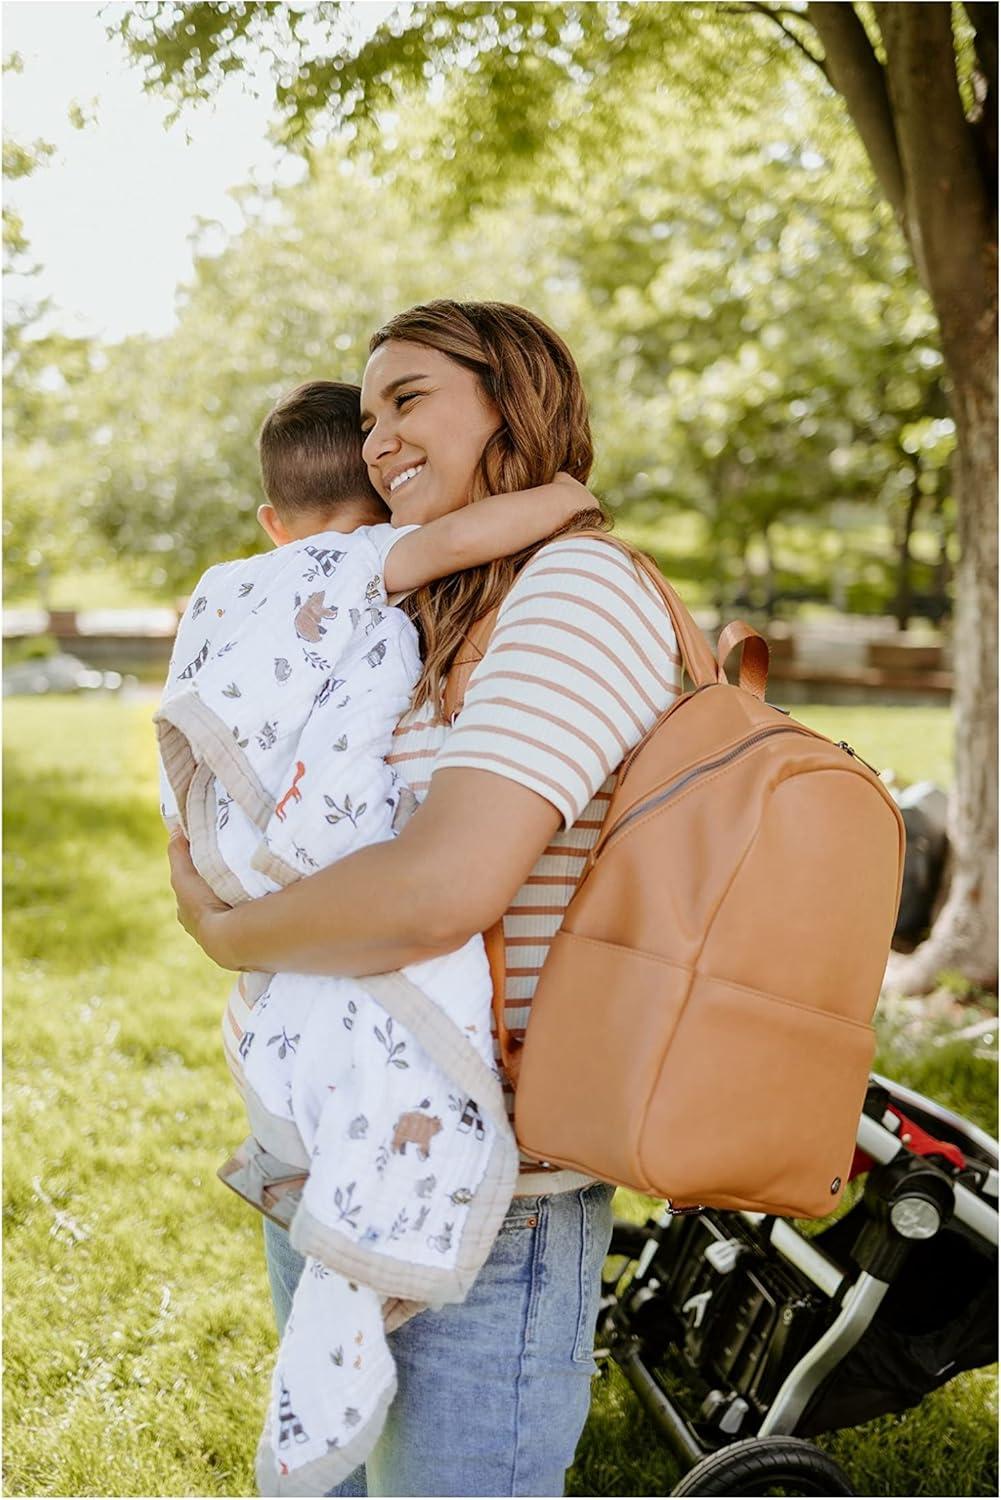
[138, 1325]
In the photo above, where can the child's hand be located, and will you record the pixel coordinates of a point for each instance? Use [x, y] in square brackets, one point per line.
[578, 497]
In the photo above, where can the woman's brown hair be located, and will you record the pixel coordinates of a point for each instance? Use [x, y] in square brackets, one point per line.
[529, 374]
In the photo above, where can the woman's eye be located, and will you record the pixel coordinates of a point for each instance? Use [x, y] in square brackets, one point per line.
[405, 396]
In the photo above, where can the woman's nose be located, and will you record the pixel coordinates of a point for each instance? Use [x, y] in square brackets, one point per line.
[379, 442]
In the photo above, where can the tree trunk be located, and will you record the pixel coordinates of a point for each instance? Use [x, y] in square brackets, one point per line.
[965, 936]
[903, 605]
[942, 573]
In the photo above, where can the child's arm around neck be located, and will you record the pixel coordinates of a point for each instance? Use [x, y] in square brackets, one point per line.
[497, 526]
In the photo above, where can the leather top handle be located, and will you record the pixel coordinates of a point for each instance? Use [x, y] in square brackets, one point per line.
[753, 674]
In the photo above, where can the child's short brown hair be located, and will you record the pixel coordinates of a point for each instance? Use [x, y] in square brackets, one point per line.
[310, 449]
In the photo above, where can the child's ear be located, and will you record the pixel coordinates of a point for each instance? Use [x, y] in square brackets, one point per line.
[270, 520]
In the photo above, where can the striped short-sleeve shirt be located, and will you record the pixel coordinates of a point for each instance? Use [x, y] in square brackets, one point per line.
[582, 660]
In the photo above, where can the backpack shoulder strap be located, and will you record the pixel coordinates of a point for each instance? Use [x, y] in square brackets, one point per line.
[702, 665]
[470, 653]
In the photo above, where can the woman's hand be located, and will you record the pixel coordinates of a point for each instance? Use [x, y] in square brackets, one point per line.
[199, 909]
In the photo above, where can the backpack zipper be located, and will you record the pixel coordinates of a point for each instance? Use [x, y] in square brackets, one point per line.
[676, 786]
[844, 745]
[715, 765]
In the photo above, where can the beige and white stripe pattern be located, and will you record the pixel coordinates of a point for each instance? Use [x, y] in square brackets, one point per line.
[583, 659]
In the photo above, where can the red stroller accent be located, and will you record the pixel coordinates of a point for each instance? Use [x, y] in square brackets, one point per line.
[779, 1336]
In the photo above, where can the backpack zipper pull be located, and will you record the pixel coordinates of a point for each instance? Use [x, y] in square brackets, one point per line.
[844, 745]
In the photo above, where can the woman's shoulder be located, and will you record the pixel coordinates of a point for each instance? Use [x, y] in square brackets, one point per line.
[594, 570]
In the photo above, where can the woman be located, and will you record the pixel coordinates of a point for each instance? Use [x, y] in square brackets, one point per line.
[462, 400]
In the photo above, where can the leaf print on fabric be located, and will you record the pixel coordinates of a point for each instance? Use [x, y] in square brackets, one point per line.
[232, 691]
[393, 1049]
[236, 735]
[223, 805]
[198, 606]
[358, 1129]
[314, 659]
[288, 1043]
[304, 857]
[337, 1355]
[347, 810]
[341, 744]
[399, 1226]
[283, 670]
[246, 1042]
[349, 1020]
[244, 590]
[347, 1209]
[382, 1158]
[421, 1219]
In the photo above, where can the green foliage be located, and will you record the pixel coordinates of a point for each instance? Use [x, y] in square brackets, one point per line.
[44, 526]
[696, 254]
[701, 283]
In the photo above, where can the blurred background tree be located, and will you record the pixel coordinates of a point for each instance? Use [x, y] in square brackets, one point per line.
[766, 231]
[44, 527]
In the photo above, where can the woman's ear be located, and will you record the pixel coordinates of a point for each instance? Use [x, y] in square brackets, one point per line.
[270, 520]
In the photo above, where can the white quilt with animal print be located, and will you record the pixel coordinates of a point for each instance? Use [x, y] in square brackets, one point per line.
[288, 676]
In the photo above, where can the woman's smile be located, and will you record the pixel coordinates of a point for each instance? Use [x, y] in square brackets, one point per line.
[403, 477]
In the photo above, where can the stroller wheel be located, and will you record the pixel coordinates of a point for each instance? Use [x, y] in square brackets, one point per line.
[766, 1466]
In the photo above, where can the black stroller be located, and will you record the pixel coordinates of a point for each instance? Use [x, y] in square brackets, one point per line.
[774, 1336]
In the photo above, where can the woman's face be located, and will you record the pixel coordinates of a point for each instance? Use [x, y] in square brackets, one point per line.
[426, 422]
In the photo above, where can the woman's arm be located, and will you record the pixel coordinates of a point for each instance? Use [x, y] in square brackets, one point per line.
[454, 870]
[497, 526]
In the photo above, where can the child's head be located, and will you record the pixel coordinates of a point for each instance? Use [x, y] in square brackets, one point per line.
[311, 463]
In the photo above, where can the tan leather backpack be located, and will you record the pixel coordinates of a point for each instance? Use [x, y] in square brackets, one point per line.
[701, 1029]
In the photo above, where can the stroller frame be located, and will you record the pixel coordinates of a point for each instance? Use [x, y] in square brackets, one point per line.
[928, 1169]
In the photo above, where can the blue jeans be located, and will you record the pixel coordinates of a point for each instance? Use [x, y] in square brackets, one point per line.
[494, 1391]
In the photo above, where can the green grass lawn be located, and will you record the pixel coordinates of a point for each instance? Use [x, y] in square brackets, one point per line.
[138, 1327]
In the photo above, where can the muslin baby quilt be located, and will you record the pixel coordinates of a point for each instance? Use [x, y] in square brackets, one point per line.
[288, 675]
